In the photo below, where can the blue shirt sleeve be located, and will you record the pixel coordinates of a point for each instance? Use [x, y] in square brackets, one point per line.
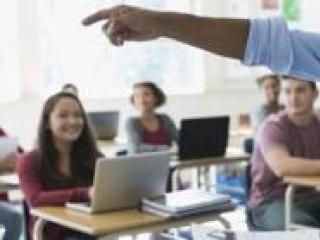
[272, 44]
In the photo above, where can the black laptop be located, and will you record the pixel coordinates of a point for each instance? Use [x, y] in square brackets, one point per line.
[105, 124]
[203, 137]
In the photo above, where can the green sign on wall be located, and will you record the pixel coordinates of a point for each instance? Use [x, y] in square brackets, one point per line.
[291, 10]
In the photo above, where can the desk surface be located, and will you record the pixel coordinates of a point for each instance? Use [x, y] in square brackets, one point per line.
[232, 156]
[108, 223]
[97, 224]
[311, 181]
[109, 148]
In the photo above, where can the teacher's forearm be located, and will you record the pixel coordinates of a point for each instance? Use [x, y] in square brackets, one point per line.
[226, 37]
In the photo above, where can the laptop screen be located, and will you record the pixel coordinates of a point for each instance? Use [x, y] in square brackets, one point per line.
[105, 124]
[203, 137]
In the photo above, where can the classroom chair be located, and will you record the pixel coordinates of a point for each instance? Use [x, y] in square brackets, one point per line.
[249, 219]
[26, 220]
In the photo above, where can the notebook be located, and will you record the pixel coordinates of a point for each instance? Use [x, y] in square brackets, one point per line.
[215, 208]
[185, 200]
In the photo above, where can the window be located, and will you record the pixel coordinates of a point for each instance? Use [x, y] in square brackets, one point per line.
[9, 65]
[73, 53]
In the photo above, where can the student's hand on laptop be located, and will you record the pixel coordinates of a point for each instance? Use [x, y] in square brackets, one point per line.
[126, 23]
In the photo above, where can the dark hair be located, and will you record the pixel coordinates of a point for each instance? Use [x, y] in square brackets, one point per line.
[312, 84]
[262, 79]
[69, 85]
[84, 151]
[156, 91]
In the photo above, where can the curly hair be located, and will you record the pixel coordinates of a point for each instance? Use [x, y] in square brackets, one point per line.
[156, 91]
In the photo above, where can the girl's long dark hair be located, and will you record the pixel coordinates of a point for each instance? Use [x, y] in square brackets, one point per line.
[84, 151]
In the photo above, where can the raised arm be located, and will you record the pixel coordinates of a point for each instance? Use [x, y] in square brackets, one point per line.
[225, 37]
[266, 42]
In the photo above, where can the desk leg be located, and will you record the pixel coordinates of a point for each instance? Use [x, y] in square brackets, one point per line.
[199, 177]
[224, 222]
[174, 179]
[289, 202]
[207, 178]
[38, 229]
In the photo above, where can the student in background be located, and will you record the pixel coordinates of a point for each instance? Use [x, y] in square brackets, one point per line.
[61, 167]
[70, 88]
[270, 87]
[287, 144]
[150, 131]
[10, 213]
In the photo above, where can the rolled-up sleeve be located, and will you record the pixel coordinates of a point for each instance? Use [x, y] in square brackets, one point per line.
[270, 43]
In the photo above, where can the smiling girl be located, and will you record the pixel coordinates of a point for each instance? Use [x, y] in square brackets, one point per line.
[61, 167]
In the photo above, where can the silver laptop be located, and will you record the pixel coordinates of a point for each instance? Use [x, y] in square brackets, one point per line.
[123, 181]
[105, 124]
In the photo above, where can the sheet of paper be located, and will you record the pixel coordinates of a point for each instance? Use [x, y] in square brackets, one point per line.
[200, 232]
[207, 233]
[288, 235]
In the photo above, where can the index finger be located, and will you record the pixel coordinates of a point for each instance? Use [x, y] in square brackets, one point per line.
[98, 16]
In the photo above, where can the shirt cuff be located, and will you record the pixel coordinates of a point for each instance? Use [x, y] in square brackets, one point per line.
[269, 44]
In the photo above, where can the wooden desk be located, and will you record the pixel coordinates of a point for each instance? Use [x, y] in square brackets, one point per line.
[110, 148]
[313, 181]
[230, 157]
[293, 182]
[112, 224]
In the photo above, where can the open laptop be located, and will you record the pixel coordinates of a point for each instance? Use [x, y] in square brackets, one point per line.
[105, 124]
[123, 181]
[203, 137]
